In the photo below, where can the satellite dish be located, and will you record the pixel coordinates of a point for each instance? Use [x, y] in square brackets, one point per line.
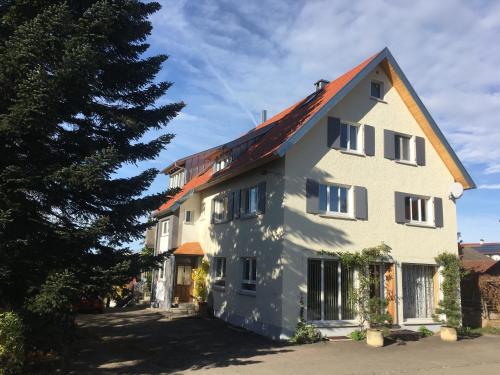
[456, 190]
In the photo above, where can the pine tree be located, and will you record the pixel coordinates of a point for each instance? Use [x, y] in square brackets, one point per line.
[78, 94]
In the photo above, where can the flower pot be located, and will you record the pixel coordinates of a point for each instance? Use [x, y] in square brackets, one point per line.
[202, 308]
[448, 334]
[375, 338]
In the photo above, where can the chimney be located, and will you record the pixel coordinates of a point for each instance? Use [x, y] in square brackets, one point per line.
[481, 242]
[263, 117]
[320, 84]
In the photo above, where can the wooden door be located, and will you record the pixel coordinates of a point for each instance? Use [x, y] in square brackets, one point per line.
[183, 282]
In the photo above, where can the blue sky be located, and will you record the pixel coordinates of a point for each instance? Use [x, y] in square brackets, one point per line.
[231, 59]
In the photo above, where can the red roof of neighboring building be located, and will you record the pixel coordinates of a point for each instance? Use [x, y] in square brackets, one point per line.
[190, 248]
[284, 125]
[473, 260]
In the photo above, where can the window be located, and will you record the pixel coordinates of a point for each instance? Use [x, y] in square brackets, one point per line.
[161, 272]
[416, 209]
[328, 283]
[188, 216]
[221, 209]
[177, 179]
[249, 274]
[376, 89]
[220, 271]
[222, 162]
[349, 137]
[402, 147]
[165, 227]
[249, 200]
[334, 199]
[418, 291]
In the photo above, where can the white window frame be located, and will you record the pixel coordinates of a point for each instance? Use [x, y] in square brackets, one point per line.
[221, 213]
[222, 162]
[359, 137]
[322, 321]
[246, 194]
[252, 264]
[381, 89]
[433, 296]
[220, 280]
[177, 179]
[428, 212]
[350, 202]
[411, 148]
[191, 215]
[165, 224]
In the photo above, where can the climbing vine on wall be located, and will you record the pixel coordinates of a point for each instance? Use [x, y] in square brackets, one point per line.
[449, 311]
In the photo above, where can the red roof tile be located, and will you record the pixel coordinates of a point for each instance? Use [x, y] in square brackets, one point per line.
[285, 124]
[189, 248]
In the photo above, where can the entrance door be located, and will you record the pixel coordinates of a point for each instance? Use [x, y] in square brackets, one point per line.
[183, 282]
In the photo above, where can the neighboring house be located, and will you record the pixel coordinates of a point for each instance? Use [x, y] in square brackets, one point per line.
[490, 249]
[357, 162]
[480, 288]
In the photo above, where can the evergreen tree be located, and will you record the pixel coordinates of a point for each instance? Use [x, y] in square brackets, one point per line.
[78, 94]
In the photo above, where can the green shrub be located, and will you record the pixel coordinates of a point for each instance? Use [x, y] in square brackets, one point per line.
[449, 307]
[200, 276]
[358, 335]
[425, 332]
[49, 315]
[305, 334]
[11, 343]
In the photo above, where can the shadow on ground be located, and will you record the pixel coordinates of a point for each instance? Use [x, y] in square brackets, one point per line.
[148, 342]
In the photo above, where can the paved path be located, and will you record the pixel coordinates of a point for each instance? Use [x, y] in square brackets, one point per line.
[148, 342]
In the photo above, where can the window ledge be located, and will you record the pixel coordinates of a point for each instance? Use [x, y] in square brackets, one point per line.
[244, 292]
[351, 152]
[248, 216]
[378, 99]
[420, 321]
[219, 288]
[337, 216]
[406, 162]
[333, 323]
[421, 225]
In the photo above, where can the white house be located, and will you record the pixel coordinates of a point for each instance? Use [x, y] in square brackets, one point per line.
[357, 162]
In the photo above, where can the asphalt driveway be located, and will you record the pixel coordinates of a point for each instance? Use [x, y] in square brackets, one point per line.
[149, 342]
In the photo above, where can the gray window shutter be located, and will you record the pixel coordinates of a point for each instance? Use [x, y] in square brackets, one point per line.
[230, 206]
[236, 204]
[212, 219]
[389, 152]
[174, 230]
[333, 136]
[361, 202]
[261, 196]
[438, 212]
[420, 148]
[369, 140]
[312, 199]
[399, 203]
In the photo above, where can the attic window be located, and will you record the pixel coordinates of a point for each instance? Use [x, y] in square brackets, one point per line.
[377, 89]
[177, 179]
[222, 162]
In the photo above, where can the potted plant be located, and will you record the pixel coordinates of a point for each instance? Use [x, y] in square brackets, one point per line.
[371, 311]
[200, 288]
[377, 319]
[448, 311]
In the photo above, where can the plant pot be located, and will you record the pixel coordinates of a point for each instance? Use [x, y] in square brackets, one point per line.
[375, 338]
[448, 334]
[202, 308]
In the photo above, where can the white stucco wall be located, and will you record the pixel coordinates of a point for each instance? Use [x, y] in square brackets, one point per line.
[305, 234]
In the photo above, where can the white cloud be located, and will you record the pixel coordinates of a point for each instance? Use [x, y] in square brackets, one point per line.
[490, 186]
[247, 57]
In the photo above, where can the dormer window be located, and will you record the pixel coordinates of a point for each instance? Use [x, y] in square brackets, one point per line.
[222, 162]
[177, 179]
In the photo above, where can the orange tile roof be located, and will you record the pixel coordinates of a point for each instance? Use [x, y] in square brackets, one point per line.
[285, 124]
[190, 248]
